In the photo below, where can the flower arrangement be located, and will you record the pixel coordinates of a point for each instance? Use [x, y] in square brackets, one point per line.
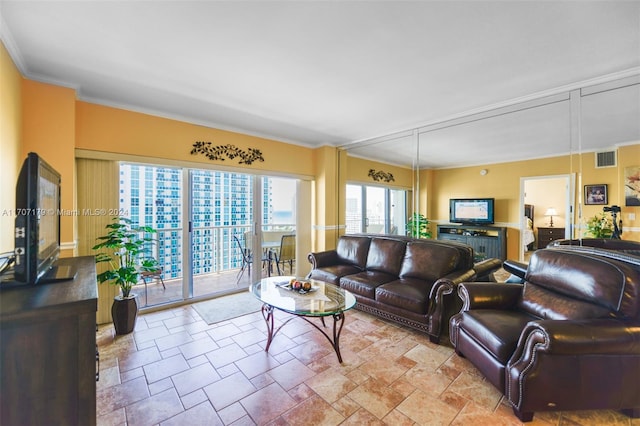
[600, 226]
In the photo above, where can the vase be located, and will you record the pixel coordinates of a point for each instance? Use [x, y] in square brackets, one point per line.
[124, 312]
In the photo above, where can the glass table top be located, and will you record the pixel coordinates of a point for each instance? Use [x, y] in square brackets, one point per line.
[323, 299]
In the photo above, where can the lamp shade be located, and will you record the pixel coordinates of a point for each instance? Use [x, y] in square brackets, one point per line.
[551, 212]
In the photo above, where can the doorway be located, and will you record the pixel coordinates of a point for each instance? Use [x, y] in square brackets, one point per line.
[543, 193]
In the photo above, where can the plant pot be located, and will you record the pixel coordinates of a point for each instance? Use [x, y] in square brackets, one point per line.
[124, 313]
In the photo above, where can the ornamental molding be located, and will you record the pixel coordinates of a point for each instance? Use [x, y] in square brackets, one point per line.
[218, 152]
[381, 176]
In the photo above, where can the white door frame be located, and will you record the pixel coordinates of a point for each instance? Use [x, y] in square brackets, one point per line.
[570, 179]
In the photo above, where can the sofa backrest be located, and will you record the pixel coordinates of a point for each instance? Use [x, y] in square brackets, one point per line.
[428, 261]
[386, 255]
[353, 250]
[624, 246]
[574, 285]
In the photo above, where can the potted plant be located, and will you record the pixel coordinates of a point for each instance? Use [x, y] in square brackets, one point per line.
[125, 248]
[600, 226]
[418, 226]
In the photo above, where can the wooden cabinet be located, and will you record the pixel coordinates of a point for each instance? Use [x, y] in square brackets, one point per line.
[487, 241]
[48, 343]
[546, 235]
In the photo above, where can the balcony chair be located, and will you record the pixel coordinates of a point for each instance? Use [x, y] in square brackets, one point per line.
[287, 253]
[151, 275]
[247, 259]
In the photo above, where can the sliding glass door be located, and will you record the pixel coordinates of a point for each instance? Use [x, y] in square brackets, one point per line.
[376, 210]
[152, 196]
[217, 231]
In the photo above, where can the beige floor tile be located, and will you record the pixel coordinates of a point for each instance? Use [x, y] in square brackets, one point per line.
[175, 369]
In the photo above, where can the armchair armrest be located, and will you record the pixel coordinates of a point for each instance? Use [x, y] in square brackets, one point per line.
[580, 337]
[518, 269]
[485, 268]
[489, 295]
[323, 258]
[551, 353]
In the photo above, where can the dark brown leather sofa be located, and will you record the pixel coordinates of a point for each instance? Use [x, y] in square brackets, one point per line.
[568, 338]
[410, 281]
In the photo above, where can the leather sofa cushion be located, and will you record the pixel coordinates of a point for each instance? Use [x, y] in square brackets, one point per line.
[586, 286]
[497, 331]
[365, 283]
[386, 255]
[428, 261]
[409, 293]
[353, 250]
[541, 302]
[332, 274]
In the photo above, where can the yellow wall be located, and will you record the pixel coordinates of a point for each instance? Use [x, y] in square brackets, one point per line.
[10, 136]
[102, 128]
[48, 128]
[502, 182]
[358, 171]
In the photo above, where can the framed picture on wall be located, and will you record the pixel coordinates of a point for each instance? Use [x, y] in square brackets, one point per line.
[632, 186]
[595, 194]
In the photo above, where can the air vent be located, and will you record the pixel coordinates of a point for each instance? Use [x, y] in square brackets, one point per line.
[606, 159]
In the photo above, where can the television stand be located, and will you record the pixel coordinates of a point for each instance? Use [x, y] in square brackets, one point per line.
[49, 354]
[59, 273]
[487, 241]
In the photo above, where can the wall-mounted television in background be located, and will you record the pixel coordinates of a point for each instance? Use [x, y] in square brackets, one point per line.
[37, 233]
[471, 211]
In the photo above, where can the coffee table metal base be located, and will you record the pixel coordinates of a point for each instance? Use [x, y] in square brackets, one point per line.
[338, 322]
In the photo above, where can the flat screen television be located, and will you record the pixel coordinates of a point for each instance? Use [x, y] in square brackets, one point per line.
[471, 211]
[37, 233]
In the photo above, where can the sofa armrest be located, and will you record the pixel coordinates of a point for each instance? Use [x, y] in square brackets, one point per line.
[518, 269]
[485, 268]
[457, 277]
[323, 258]
[580, 337]
[489, 295]
[442, 299]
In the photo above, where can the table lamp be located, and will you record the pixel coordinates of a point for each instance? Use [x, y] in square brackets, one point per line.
[551, 212]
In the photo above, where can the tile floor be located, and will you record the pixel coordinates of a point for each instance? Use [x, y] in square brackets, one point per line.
[177, 370]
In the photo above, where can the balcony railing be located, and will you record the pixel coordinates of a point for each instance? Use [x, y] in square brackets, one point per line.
[213, 247]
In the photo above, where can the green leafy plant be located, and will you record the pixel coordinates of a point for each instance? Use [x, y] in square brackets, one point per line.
[600, 226]
[418, 226]
[125, 248]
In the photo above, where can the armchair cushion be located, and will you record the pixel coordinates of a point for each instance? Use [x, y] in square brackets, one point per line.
[559, 287]
[497, 331]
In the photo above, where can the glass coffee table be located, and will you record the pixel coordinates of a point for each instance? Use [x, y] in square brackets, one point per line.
[322, 300]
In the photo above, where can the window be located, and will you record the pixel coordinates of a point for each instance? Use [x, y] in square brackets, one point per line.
[375, 209]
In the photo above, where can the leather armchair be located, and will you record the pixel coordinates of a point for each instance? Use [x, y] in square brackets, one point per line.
[568, 338]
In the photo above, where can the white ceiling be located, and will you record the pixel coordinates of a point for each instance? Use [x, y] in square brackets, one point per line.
[342, 73]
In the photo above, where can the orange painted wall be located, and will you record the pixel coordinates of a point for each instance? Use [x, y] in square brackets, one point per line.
[10, 137]
[102, 128]
[48, 128]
